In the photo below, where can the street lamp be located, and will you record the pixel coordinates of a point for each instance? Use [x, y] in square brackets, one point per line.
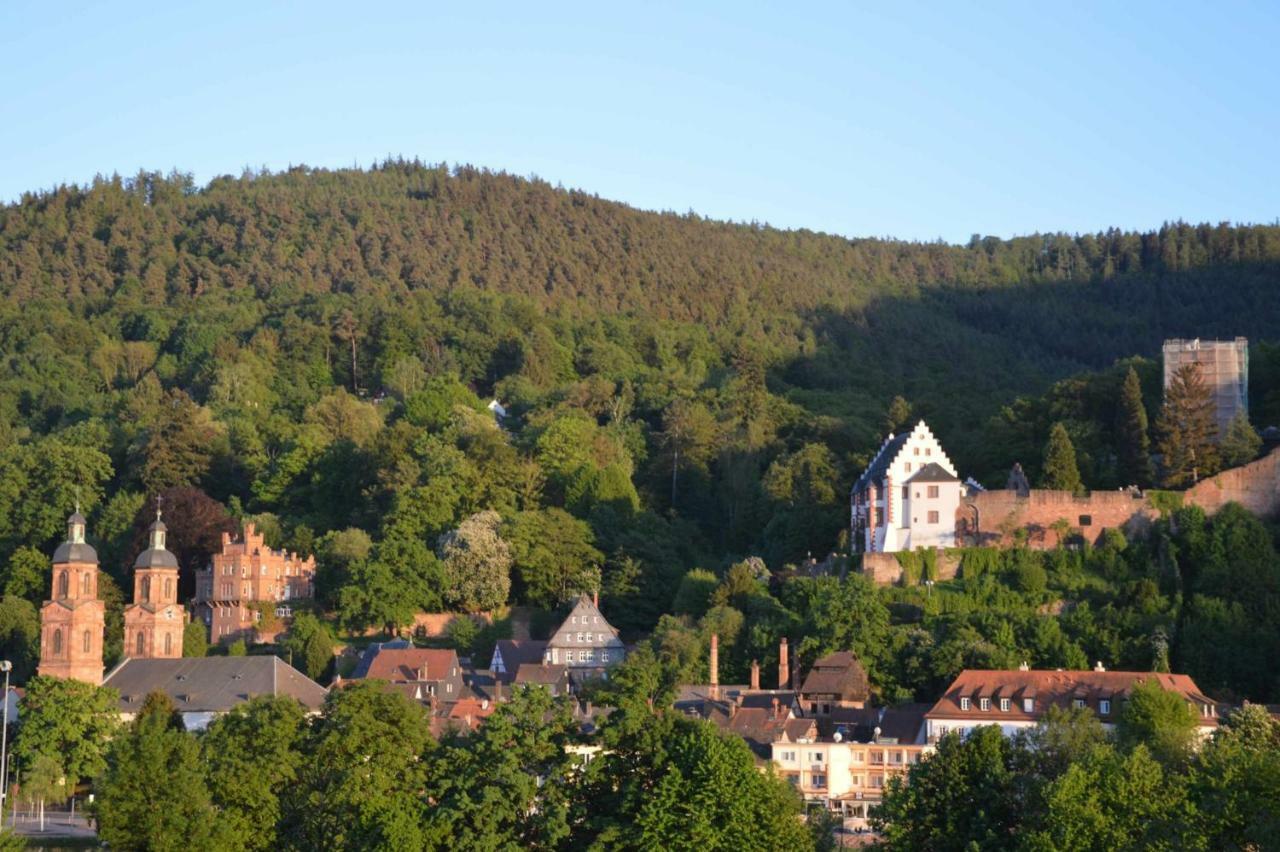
[6, 667]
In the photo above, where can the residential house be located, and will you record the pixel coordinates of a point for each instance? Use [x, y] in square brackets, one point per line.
[835, 681]
[585, 642]
[431, 675]
[510, 654]
[907, 497]
[1018, 699]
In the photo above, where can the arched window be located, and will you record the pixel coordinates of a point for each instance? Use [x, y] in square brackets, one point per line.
[168, 643]
[57, 641]
[142, 644]
[84, 584]
[168, 588]
[62, 584]
[88, 641]
[146, 588]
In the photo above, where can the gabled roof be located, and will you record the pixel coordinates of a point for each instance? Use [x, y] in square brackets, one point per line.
[933, 472]
[517, 652]
[1055, 687]
[545, 674]
[405, 664]
[585, 617]
[211, 684]
[888, 452]
[838, 674]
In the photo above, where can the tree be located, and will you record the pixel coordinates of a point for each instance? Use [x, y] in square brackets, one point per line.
[1235, 783]
[554, 558]
[898, 414]
[176, 448]
[689, 436]
[477, 564]
[70, 720]
[1241, 444]
[671, 783]
[26, 575]
[359, 782]
[153, 794]
[1060, 472]
[195, 522]
[19, 636]
[693, 595]
[962, 797]
[309, 645]
[1133, 446]
[338, 550]
[521, 750]
[195, 640]
[252, 756]
[1187, 429]
[1160, 720]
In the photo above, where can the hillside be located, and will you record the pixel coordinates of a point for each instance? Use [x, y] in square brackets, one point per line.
[725, 381]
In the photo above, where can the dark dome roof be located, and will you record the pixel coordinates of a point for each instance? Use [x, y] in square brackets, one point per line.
[77, 518]
[159, 526]
[75, 551]
[153, 558]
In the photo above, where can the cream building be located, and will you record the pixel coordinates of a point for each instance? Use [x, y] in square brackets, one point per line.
[907, 497]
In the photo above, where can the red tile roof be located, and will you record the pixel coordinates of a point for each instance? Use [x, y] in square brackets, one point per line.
[405, 664]
[1055, 687]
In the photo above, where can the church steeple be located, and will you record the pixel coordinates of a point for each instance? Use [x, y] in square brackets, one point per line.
[72, 620]
[154, 622]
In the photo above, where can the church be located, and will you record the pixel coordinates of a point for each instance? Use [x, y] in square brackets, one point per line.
[73, 626]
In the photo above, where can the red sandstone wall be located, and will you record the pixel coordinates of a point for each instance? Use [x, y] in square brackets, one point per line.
[885, 569]
[992, 517]
[1255, 486]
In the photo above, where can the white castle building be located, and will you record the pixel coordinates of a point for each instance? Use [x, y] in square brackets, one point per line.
[907, 497]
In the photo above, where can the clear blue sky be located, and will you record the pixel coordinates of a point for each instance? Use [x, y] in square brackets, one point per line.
[865, 119]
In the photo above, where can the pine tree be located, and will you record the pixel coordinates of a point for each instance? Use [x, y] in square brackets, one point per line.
[1060, 471]
[1133, 447]
[1187, 429]
[1241, 443]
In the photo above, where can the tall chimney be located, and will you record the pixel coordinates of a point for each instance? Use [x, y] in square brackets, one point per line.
[755, 675]
[784, 670]
[497, 690]
[595, 598]
[715, 665]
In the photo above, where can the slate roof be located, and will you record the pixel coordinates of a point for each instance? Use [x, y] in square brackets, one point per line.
[544, 674]
[933, 472]
[1056, 687]
[211, 684]
[902, 722]
[517, 652]
[888, 452]
[760, 727]
[839, 674]
[405, 664]
[75, 551]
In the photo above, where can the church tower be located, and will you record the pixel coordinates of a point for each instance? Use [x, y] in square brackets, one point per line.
[153, 624]
[72, 622]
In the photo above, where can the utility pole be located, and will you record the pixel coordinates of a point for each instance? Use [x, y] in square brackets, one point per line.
[6, 667]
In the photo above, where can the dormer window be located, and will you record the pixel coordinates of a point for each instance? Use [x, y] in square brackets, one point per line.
[984, 704]
[1004, 705]
[1104, 707]
[1028, 705]
[1078, 703]
[964, 703]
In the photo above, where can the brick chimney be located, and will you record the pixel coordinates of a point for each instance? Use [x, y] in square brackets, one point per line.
[784, 668]
[755, 675]
[497, 690]
[595, 598]
[715, 665]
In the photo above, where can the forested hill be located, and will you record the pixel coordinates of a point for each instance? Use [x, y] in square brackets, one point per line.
[275, 339]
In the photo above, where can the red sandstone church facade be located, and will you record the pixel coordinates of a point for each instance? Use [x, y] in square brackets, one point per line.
[72, 621]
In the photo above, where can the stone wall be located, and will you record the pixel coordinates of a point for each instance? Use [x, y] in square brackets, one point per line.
[994, 518]
[885, 569]
[1255, 486]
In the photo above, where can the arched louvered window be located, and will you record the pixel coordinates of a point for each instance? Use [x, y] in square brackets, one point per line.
[88, 641]
[57, 641]
[62, 584]
[168, 643]
[142, 644]
[146, 588]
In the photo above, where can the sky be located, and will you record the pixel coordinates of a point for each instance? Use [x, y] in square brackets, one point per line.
[911, 120]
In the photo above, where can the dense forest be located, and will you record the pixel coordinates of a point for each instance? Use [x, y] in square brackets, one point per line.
[315, 350]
